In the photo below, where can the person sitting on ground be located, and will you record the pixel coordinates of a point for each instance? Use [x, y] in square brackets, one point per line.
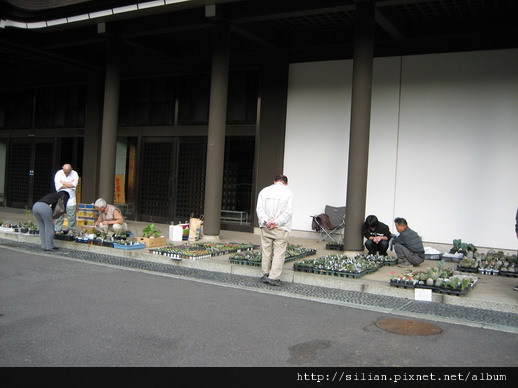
[408, 245]
[110, 217]
[377, 234]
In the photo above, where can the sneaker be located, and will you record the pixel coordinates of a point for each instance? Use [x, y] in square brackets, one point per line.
[264, 278]
[515, 288]
[273, 282]
[405, 265]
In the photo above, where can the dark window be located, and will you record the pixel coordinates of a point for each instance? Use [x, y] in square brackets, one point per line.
[147, 102]
[17, 109]
[190, 186]
[238, 175]
[194, 100]
[61, 107]
[242, 98]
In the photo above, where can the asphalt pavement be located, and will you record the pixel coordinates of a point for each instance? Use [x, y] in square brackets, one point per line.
[66, 311]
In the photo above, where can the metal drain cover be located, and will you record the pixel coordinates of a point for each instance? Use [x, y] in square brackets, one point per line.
[408, 327]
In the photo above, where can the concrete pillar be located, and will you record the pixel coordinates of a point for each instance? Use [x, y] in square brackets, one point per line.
[92, 140]
[360, 125]
[109, 123]
[216, 130]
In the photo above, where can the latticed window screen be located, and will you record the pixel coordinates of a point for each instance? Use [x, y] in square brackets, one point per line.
[61, 107]
[147, 102]
[43, 172]
[190, 187]
[20, 164]
[238, 175]
[18, 107]
[155, 176]
[194, 100]
[242, 98]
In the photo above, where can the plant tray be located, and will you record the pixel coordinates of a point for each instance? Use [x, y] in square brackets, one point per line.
[432, 256]
[253, 263]
[402, 285]
[390, 263]
[64, 237]
[246, 262]
[467, 269]
[331, 273]
[434, 288]
[509, 274]
[453, 292]
[336, 247]
[128, 247]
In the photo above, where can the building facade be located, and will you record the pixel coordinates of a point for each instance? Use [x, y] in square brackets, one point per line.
[181, 108]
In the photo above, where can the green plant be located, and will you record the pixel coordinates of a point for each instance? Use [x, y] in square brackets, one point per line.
[151, 231]
[30, 223]
[459, 246]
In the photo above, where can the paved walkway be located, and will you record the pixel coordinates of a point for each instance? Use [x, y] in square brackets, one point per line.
[491, 304]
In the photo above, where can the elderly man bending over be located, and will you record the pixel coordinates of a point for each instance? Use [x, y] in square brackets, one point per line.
[110, 217]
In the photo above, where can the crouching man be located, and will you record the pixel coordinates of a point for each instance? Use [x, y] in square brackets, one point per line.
[408, 245]
[110, 218]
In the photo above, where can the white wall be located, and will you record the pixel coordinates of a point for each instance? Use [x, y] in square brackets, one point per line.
[317, 143]
[459, 127]
[443, 143]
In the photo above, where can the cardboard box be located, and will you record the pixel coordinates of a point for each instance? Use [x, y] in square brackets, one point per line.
[152, 242]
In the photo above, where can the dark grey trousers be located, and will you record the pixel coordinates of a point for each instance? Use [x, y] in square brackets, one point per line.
[403, 252]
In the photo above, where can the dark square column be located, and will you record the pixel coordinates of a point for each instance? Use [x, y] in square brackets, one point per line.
[216, 130]
[360, 125]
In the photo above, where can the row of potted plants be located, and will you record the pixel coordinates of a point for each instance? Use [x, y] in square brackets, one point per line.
[19, 227]
[438, 279]
[200, 250]
[340, 265]
[491, 263]
[253, 258]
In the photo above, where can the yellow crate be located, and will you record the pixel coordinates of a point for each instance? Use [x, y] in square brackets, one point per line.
[82, 222]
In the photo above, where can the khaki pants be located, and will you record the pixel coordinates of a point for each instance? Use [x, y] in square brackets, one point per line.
[273, 249]
[115, 227]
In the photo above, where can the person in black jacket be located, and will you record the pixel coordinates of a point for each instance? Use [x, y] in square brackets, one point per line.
[43, 210]
[377, 235]
[408, 245]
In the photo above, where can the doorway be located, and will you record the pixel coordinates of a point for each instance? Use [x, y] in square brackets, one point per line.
[30, 171]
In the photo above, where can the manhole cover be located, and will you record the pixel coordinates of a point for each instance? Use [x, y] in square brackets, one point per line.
[407, 327]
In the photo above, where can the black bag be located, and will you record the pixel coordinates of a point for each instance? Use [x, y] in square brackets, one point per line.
[59, 208]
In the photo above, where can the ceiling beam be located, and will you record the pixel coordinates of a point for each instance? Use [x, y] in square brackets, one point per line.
[389, 27]
[147, 48]
[42, 54]
[254, 38]
[292, 14]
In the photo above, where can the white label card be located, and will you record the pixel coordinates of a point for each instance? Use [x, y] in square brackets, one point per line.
[423, 294]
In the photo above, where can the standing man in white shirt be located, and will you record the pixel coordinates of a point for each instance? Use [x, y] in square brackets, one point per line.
[274, 212]
[67, 179]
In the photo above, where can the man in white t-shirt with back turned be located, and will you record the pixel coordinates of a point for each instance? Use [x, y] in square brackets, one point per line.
[274, 212]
